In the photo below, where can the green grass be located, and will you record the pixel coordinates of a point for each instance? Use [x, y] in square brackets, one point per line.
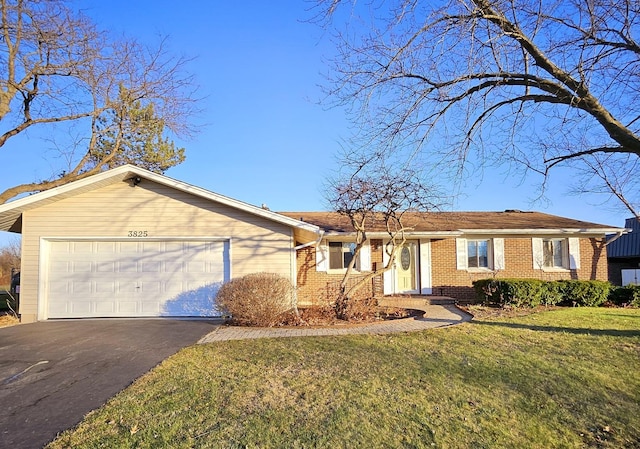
[567, 378]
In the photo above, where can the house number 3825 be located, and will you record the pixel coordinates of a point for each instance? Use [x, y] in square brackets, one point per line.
[138, 234]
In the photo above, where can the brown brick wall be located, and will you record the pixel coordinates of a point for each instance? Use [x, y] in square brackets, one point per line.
[449, 281]
[315, 287]
[319, 287]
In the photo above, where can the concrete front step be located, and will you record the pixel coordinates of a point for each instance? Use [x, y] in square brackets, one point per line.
[415, 301]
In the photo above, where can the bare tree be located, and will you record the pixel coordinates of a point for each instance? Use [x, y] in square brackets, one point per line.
[9, 260]
[373, 193]
[534, 83]
[59, 72]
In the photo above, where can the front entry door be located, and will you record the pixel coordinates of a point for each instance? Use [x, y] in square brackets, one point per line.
[406, 268]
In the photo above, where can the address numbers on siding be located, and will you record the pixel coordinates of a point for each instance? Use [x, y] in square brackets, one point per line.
[138, 234]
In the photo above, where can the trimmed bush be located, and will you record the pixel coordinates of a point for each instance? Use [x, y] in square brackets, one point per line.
[260, 299]
[584, 293]
[534, 292]
[626, 296]
[517, 292]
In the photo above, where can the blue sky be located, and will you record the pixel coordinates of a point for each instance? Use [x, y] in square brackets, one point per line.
[267, 140]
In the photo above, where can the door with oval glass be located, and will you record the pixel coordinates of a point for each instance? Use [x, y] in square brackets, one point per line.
[406, 268]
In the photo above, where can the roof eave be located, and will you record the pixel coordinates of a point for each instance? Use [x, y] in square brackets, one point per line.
[10, 212]
[546, 231]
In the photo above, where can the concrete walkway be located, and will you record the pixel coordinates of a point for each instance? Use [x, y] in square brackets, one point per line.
[435, 316]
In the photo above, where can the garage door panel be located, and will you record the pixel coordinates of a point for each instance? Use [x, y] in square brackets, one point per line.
[108, 287]
[149, 287]
[151, 266]
[105, 267]
[82, 266]
[81, 308]
[80, 288]
[126, 308]
[123, 278]
[105, 307]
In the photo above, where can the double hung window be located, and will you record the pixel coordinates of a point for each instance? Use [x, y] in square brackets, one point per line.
[478, 253]
[555, 253]
[341, 254]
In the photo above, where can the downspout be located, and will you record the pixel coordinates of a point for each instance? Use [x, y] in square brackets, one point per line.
[314, 243]
[295, 264]
[617, 236]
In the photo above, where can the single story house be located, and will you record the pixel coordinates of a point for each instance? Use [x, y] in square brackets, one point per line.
[623, 252]
[131, 243]
[446, 251]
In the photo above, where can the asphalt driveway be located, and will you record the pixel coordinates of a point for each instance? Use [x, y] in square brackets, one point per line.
[53, 373]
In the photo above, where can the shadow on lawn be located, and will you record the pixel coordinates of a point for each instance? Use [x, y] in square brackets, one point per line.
[567, 330]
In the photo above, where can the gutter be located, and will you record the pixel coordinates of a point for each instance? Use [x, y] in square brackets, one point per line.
[314, 243]
[618, 235]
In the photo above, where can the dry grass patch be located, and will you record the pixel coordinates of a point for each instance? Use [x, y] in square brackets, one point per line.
[8, 320]
[565, 378]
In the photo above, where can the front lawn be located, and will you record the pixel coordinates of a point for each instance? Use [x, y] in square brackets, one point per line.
[566, 378]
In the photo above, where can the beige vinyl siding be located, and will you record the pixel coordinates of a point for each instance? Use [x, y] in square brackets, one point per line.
[257, 244]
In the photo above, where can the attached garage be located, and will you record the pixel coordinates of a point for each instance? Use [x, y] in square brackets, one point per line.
[131, 243]
[133, 278]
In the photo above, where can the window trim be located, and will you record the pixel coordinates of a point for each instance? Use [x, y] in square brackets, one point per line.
[571, 256]
[546, 256]
[495, 254]
[346, 248]
[323, 256]
[489, 255]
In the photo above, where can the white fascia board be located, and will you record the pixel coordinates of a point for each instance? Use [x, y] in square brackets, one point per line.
[408, 234]
[547, 231]
[60, 190]
[461, 232]
[123, 172]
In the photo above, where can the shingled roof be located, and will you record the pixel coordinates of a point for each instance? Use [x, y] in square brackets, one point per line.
[456, 222]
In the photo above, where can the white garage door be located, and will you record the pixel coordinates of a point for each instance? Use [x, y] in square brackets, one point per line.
[141, 278]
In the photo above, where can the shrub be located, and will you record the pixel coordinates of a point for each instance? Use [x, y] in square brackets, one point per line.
[533, 292]
[517, 292]
[626, 296]
[356, 309]
[260, 299]
[584, 293]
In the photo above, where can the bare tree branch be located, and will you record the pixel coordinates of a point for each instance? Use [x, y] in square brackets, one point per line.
[57, 68]
[557, 81]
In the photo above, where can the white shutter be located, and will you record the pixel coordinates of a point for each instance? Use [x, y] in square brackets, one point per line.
[538, 253]
[322, 256]
[574, 253]
[498, 254]
[364, 264]
[425, 267]
[388, 277]
[461, 254]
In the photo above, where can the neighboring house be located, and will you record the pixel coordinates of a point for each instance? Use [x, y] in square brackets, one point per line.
[131, 243]
[446, 251]
[623, 253]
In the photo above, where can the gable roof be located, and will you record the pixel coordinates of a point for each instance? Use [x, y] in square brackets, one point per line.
[11, 212]
[458, 223]
[627, 245]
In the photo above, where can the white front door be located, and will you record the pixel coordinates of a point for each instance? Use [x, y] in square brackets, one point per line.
[406, 268]
[404, 277]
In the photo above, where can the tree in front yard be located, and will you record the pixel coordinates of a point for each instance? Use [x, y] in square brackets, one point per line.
[9, 261]
[528, 85]
[96, 99]
[373, 192]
